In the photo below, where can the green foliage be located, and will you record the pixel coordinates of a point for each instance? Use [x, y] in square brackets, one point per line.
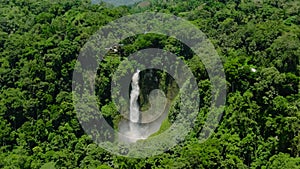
[165, 125]
[282, 160]
[258, 42]
[50, 165]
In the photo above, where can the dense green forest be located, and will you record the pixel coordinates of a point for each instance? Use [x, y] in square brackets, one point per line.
[260, 128]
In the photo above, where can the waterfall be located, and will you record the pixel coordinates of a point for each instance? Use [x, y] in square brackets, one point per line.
[134, 106]
[141, 125]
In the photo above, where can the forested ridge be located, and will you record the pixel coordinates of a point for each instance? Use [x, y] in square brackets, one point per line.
[258, 42]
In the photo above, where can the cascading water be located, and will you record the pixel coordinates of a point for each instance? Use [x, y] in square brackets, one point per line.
[134, 106]
[141, 125]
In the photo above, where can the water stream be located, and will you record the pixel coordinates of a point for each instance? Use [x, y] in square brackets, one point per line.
[141, 125]
[134, 107]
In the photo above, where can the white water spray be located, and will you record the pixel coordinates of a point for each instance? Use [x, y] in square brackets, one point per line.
[134, 106]
[142, 124]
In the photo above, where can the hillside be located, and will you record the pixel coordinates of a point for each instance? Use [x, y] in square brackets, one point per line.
[258, 44]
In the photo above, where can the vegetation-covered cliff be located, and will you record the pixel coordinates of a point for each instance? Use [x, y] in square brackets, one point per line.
[40, 42]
